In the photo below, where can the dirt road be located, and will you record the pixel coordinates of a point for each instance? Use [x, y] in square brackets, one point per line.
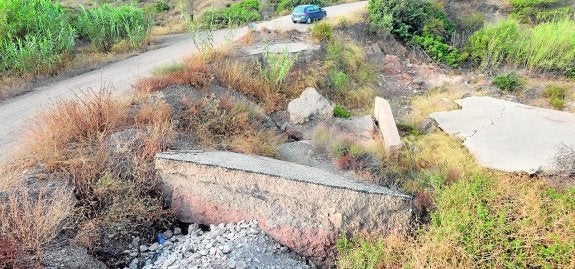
[15, 113]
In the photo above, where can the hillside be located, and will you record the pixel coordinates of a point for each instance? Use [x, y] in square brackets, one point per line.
[404, 134]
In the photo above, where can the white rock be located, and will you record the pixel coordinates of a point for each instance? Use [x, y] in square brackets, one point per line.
[308, 106]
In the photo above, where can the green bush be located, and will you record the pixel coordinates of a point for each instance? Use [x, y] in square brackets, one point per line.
[236, 14]
[556, 96]
[160, 7]
[409, 17]
[33, 35]
[107, 25]
[341, 112]
[422, 22]
[438, 50]
[290, 4]
[322, 31]
[510, 82]
[338, 79]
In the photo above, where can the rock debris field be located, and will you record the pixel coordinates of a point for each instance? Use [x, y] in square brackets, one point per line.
[233, 245]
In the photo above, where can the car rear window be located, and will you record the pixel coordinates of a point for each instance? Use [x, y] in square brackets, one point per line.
[298, 10]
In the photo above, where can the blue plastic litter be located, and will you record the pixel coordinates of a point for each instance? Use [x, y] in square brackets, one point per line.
[160, 238]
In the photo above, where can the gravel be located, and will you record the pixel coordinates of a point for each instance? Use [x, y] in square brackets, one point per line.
[232, 245]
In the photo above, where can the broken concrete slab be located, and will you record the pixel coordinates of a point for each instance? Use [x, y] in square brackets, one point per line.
[386, 122]
[509, 136]
[302, 207]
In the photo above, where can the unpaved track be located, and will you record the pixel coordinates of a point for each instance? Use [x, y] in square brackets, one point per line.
[16, 113]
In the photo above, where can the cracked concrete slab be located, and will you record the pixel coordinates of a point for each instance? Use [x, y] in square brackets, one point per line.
[509, 136]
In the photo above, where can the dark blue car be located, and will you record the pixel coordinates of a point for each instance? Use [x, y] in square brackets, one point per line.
[307, 13]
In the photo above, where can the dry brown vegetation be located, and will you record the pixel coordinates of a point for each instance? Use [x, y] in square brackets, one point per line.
[29, 220]
[105, 146]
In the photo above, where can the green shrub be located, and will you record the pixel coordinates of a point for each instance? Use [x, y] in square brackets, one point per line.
[556, 96]
[341, 112]
[423, 22]
[236, 14]
[510, 82]
[439, 51]
[160, 7]
[107, 25]
[290, 4]
[338, 79]
[322, 31]
[409, 17]
[33, 35]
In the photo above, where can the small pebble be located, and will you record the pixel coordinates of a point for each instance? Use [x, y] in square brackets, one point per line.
[168, 234]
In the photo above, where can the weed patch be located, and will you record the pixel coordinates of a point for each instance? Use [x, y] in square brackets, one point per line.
[34, 34]
[556, 96]
[510, 82]
[544, 47]
[321, 31]
[341, 112]
[29, 221]
[236, 14]
[105, 25]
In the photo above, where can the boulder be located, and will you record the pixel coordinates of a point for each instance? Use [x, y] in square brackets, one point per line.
[303, 208]
[310, 105]
[509, 136]
[388, 129]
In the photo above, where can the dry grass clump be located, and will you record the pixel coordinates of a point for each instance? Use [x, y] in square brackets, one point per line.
[109, 158]
[440, 152]
[195, 73]
[30, 220]
[224, 123]
[61, 130]
[244, 78]
[435, 100]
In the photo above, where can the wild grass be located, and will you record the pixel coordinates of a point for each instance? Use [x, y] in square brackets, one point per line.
[194, 73]
[106, 25]
[276, 67]
[89, 118]
[108, 157]
[556, 96]
[435, 100]
[33, 36]
[545, 47]
[236, 14]
[322, 31]
[29, 221]
[480, 221]
[228, 124]
[350, 77]
[510, 82]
